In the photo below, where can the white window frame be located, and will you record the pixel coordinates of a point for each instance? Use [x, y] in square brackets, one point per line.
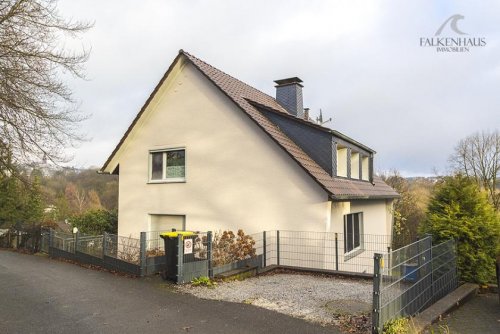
[164, 179]
[365, 168]
[342, 161]
[355, 163]
[360, 248]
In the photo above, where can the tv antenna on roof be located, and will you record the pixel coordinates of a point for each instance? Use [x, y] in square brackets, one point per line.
[319, 119]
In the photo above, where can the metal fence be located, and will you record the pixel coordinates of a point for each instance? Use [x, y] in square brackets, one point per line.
[90, 244]
[109, 251]
[206, 258]
[320, 251]
[226, 251]
[323, 250]
[195, 256]
[231, 252]
[123, 248]
[22, 236]
[63, 241]
[44, 240]
[155, 245]
[409, 279]
[211, 254]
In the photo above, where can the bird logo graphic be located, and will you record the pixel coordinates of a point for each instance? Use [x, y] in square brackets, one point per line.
[453, 24]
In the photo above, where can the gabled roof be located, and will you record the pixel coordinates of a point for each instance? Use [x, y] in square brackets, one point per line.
[246, 98]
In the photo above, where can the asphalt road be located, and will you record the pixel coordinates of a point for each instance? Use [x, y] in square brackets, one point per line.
[41, 295]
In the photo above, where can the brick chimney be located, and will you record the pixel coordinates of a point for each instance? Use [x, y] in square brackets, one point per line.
[289, 95]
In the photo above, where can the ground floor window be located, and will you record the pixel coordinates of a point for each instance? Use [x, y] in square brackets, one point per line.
[353, 231]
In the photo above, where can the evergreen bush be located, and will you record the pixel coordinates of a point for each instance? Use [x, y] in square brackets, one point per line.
[458, 209]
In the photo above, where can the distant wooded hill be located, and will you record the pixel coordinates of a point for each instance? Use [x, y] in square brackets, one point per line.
[73, 191]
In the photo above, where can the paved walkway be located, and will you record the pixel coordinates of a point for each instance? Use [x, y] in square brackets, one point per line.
[479, 315]
[40, 295]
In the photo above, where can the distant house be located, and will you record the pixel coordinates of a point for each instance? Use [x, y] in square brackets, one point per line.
[209, 152]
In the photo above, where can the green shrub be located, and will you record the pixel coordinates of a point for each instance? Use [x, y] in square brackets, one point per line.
[397, 326]
[96, 222]
[203, 281]
[460, 210]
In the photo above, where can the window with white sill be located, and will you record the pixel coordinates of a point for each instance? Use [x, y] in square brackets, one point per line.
[167, 165]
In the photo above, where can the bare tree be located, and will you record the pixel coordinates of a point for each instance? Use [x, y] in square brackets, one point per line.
[38, 116]
[478, 156]
[407, 212]
[76, 197]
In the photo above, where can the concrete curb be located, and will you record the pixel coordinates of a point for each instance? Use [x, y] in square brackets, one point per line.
[444, 306]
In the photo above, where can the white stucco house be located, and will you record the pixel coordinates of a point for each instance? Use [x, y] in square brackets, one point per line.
[209, 152]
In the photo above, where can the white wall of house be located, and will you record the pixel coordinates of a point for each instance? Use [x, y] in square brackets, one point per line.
[377, 215]
[339, 210]
[376, 228]
[236, 176]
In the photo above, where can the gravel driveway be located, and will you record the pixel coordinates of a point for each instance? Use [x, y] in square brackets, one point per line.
[319, 299]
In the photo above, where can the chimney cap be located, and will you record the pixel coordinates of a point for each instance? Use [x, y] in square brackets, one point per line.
[288, 81]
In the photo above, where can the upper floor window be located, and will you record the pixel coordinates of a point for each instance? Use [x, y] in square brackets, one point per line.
[341, 161]
[354, 165]
[365, 168]
[351, 163]
[168, 165]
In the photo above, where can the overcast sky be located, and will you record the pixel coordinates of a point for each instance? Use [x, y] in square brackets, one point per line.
[361, 63]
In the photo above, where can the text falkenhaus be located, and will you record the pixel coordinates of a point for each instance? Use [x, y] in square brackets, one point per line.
[453, 44]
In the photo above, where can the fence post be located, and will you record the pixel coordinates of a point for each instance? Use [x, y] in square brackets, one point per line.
[377, 278]
[428, 263]
[180, 259]
[336, 251]
[209, 254]
[104, 244]
[264, 251]
[431, 269]
[388, 264]
[77, 236]
[497, 270]
[51, 240]
[278, 247]
[142, 254]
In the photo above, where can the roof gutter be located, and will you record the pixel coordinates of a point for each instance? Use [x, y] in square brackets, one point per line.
[349, 198]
